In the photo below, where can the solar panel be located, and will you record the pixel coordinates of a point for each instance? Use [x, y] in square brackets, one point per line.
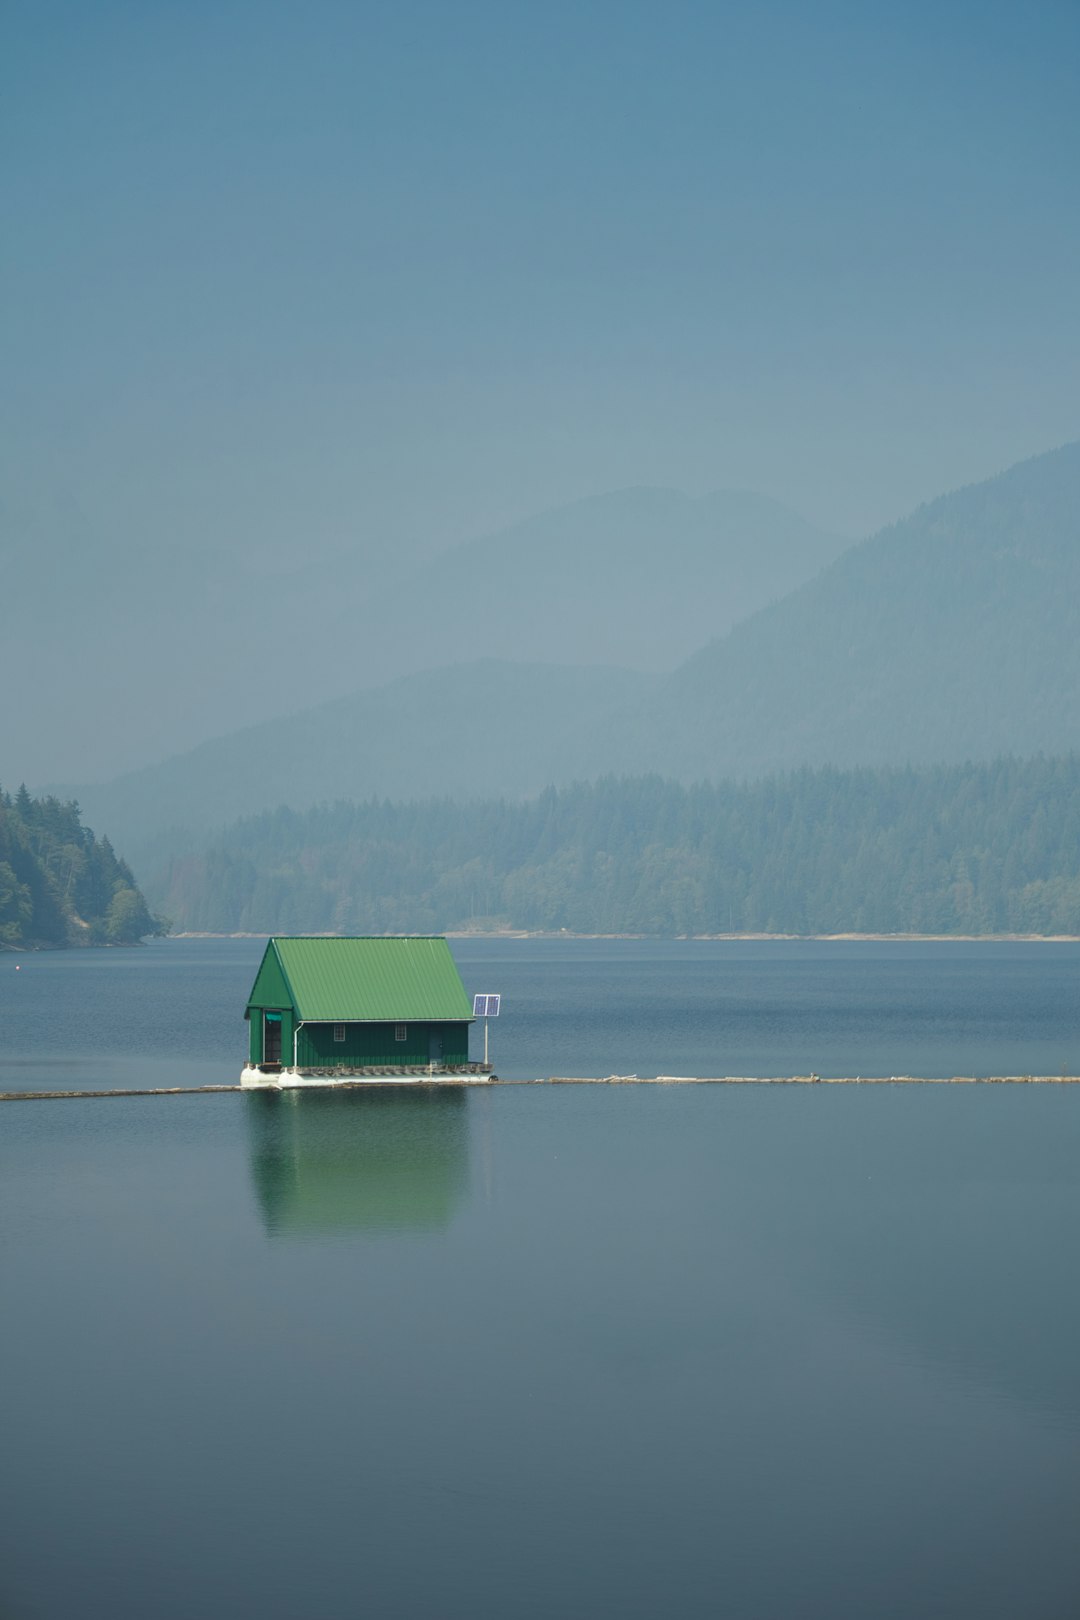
[486, 1006]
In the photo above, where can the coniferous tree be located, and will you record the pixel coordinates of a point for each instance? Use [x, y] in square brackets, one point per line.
[968, 849]
[59, 885]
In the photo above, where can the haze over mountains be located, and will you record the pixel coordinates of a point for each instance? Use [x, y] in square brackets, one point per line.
[488, 726]
[954, 634]
[305, 307]
[141, 653]
[637, 578]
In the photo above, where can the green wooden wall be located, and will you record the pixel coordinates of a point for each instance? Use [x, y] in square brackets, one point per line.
[255, 1034]
[367, 1045]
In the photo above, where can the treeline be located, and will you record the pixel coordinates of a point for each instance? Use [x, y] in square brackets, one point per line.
[59, 884]
[970, 849]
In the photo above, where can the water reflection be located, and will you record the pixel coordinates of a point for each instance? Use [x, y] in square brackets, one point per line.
[333, 1161]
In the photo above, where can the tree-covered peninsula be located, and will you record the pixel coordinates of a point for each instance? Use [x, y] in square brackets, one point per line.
[61, 885]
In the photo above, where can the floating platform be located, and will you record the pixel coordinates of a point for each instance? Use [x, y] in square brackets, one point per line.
[273, 1077]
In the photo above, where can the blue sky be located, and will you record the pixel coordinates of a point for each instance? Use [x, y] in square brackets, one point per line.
[298, 278]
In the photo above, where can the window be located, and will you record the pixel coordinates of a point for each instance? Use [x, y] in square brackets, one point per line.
[401, 1032]
[339, 1032]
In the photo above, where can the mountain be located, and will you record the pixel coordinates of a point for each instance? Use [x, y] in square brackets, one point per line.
[127, 657]
[952, 635]
[637, 579]
[486, 728]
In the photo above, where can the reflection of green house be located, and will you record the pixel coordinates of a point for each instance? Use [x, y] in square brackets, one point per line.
[363, 1161]
[326, 1009]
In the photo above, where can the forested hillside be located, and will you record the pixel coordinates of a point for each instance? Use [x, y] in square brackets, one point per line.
[953, 635]
[59, 884]
[966, 849]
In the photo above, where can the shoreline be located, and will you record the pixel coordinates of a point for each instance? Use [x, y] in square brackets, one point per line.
[689, 939]
[7, 949]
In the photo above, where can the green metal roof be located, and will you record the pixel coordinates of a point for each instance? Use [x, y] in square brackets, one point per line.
[397, 980]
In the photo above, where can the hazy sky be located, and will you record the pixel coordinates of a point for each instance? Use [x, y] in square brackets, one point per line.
[314, 275]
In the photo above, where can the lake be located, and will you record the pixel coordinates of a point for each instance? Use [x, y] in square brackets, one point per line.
[171, 1013]
[789, 1352]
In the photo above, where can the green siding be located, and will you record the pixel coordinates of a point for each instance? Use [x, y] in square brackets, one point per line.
[375, 1045]
[378, 980]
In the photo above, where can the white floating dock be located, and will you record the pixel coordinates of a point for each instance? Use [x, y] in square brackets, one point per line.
[256, 1079]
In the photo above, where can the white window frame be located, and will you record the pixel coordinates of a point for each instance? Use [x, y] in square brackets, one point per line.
[339, 1032]
[401, 1032]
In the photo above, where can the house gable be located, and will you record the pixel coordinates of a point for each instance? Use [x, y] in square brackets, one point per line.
[271, 987]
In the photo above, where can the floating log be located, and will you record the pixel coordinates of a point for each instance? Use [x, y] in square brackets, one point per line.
[584, 1080]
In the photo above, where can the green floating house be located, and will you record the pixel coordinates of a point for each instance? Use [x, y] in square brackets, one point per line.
[330, 1010]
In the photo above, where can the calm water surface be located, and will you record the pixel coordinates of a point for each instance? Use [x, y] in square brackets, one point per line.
[762, 1352]
[172, 1013]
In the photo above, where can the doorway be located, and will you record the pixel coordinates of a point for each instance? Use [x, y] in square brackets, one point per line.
[271, 1037]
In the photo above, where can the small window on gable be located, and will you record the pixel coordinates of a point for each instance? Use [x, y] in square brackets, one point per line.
[401, 1032]
[339, 1032]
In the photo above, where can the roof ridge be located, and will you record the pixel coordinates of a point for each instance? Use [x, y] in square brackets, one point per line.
[272, 944]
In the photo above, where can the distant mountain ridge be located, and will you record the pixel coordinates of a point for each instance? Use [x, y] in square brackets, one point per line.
[637, 578]
[463, 732]
[221, 640]
[953, 635]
